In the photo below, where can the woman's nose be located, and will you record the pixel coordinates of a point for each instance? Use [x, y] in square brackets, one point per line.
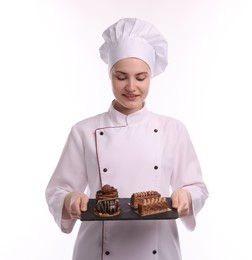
[130, 85]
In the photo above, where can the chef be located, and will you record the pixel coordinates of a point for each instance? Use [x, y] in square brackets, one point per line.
[132, 149]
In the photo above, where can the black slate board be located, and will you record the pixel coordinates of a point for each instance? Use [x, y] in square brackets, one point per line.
[127, 213]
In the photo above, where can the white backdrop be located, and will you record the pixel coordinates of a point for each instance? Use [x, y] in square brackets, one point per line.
[51, 76]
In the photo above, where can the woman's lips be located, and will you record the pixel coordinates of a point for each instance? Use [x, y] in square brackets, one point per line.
[130, 97]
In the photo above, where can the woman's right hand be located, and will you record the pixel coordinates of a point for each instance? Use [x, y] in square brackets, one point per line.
[74, 203]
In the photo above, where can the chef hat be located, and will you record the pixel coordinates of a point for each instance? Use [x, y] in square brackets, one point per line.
[131, 37]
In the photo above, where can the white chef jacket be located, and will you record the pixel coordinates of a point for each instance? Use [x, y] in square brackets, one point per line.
[137, 152]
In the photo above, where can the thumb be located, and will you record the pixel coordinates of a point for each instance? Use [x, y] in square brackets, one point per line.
[175, 199]
[83, 203]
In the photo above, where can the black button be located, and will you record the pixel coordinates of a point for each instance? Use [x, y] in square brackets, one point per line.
[155, 167]
[107, 253]
[155, 130]
[105, 170]
[101, 133]
[154, 252]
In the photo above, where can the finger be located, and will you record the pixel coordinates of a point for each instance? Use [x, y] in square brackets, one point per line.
[83, 203]
[183, 212]
[75, 215]
[75, 210]
[174, 199]
[183, 208]
[75, 206]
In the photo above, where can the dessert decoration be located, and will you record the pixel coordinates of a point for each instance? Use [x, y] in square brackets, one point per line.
[139, 197]
[149, 203]
[107, 202]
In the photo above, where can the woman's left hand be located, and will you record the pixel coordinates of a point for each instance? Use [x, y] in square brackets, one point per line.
[182, 201]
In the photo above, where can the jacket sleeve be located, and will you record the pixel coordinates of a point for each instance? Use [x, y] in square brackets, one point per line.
[69, 175]
[187, 175]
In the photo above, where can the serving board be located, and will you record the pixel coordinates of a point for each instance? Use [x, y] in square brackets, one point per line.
[127, 213]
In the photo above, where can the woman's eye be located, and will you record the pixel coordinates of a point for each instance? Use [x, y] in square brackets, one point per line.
[121, 78]
[141, 79]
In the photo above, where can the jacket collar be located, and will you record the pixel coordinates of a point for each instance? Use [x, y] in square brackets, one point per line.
[121, 119]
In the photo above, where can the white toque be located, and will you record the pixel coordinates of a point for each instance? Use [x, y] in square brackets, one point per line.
[134, 38]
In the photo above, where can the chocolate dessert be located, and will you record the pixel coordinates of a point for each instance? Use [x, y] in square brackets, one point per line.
[107, 202]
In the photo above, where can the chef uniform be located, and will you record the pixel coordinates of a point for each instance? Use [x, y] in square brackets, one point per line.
[137, 152]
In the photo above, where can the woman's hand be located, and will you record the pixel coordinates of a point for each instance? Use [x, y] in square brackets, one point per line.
[74, 203]
[182, 201]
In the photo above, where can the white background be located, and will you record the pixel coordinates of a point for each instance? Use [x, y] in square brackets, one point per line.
[51, 76]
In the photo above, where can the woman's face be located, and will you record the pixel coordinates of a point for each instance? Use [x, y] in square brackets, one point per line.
[130, 80]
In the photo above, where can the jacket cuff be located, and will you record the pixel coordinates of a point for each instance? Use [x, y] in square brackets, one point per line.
[189, 222]
[67, 225]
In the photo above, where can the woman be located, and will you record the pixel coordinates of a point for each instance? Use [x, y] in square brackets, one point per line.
[131, 149]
